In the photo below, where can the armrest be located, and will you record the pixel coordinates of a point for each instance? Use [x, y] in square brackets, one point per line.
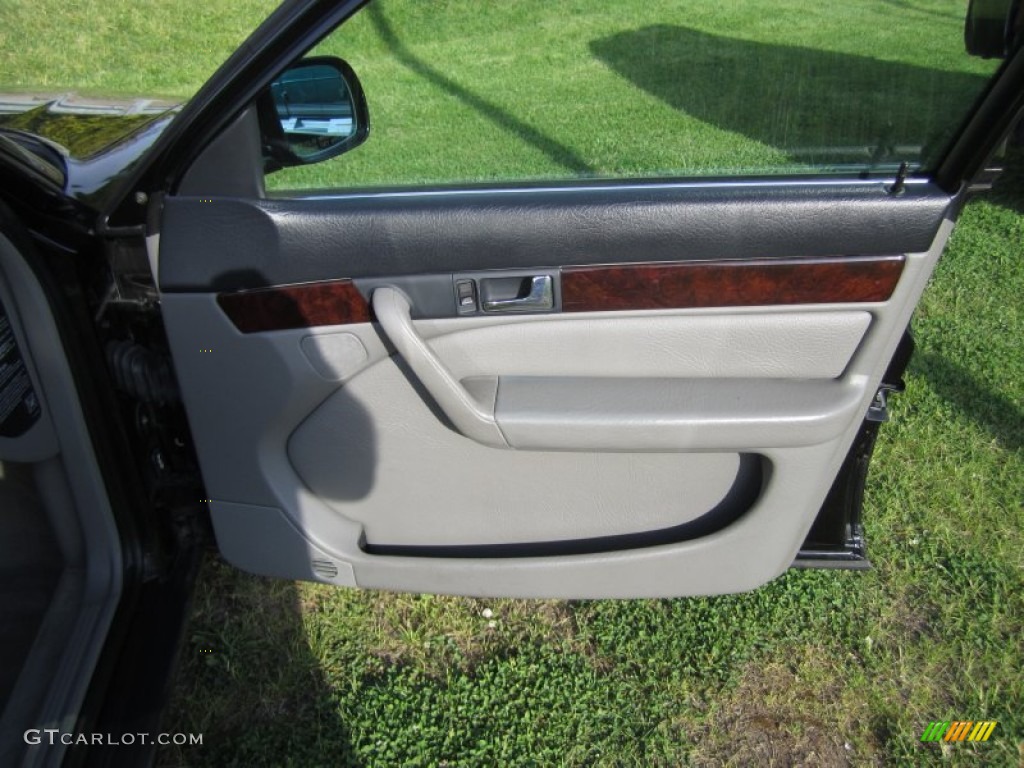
[589, 414]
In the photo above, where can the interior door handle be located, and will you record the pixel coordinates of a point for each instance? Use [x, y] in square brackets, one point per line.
[540, 297]
[392, 309]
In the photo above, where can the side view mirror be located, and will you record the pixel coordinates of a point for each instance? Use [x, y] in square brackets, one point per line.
[993, 28]
[311, 112]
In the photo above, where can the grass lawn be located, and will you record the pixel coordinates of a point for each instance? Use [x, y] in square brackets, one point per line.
[818, 668]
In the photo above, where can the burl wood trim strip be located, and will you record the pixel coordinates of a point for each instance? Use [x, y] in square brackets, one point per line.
[729, 283]
[336, 302]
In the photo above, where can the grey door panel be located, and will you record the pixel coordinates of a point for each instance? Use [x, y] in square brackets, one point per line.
[641, 452]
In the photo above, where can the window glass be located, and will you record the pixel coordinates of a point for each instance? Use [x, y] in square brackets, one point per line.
[101, 49]
[471, 91]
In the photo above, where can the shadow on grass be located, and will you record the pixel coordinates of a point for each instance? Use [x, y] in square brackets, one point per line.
[248, 680]
[819, 107]
[999, 415]
[556, 151]
[904, 5]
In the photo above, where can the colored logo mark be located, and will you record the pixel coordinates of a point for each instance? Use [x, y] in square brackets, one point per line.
[959, 730]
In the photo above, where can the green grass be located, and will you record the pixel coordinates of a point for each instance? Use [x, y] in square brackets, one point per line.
[534, 89]
[816, 668]
[121, 47]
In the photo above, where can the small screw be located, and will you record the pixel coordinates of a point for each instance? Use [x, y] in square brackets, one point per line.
[141, 198]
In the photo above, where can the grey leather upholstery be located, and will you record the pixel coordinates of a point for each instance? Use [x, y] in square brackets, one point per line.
[602, 413]
[647, 415]
[377, 453]
[787, 343]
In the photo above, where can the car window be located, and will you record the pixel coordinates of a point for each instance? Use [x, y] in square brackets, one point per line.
[468, 91]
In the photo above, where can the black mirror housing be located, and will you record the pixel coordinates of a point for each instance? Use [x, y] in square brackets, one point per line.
[993, 28]
[311, 112]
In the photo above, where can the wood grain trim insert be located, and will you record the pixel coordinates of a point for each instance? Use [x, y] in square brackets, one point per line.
[335, 302]
[730, 283]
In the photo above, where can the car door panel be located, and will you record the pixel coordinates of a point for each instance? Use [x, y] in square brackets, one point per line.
[670, 428]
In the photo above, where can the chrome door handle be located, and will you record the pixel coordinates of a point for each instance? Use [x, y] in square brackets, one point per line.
[540, 297]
